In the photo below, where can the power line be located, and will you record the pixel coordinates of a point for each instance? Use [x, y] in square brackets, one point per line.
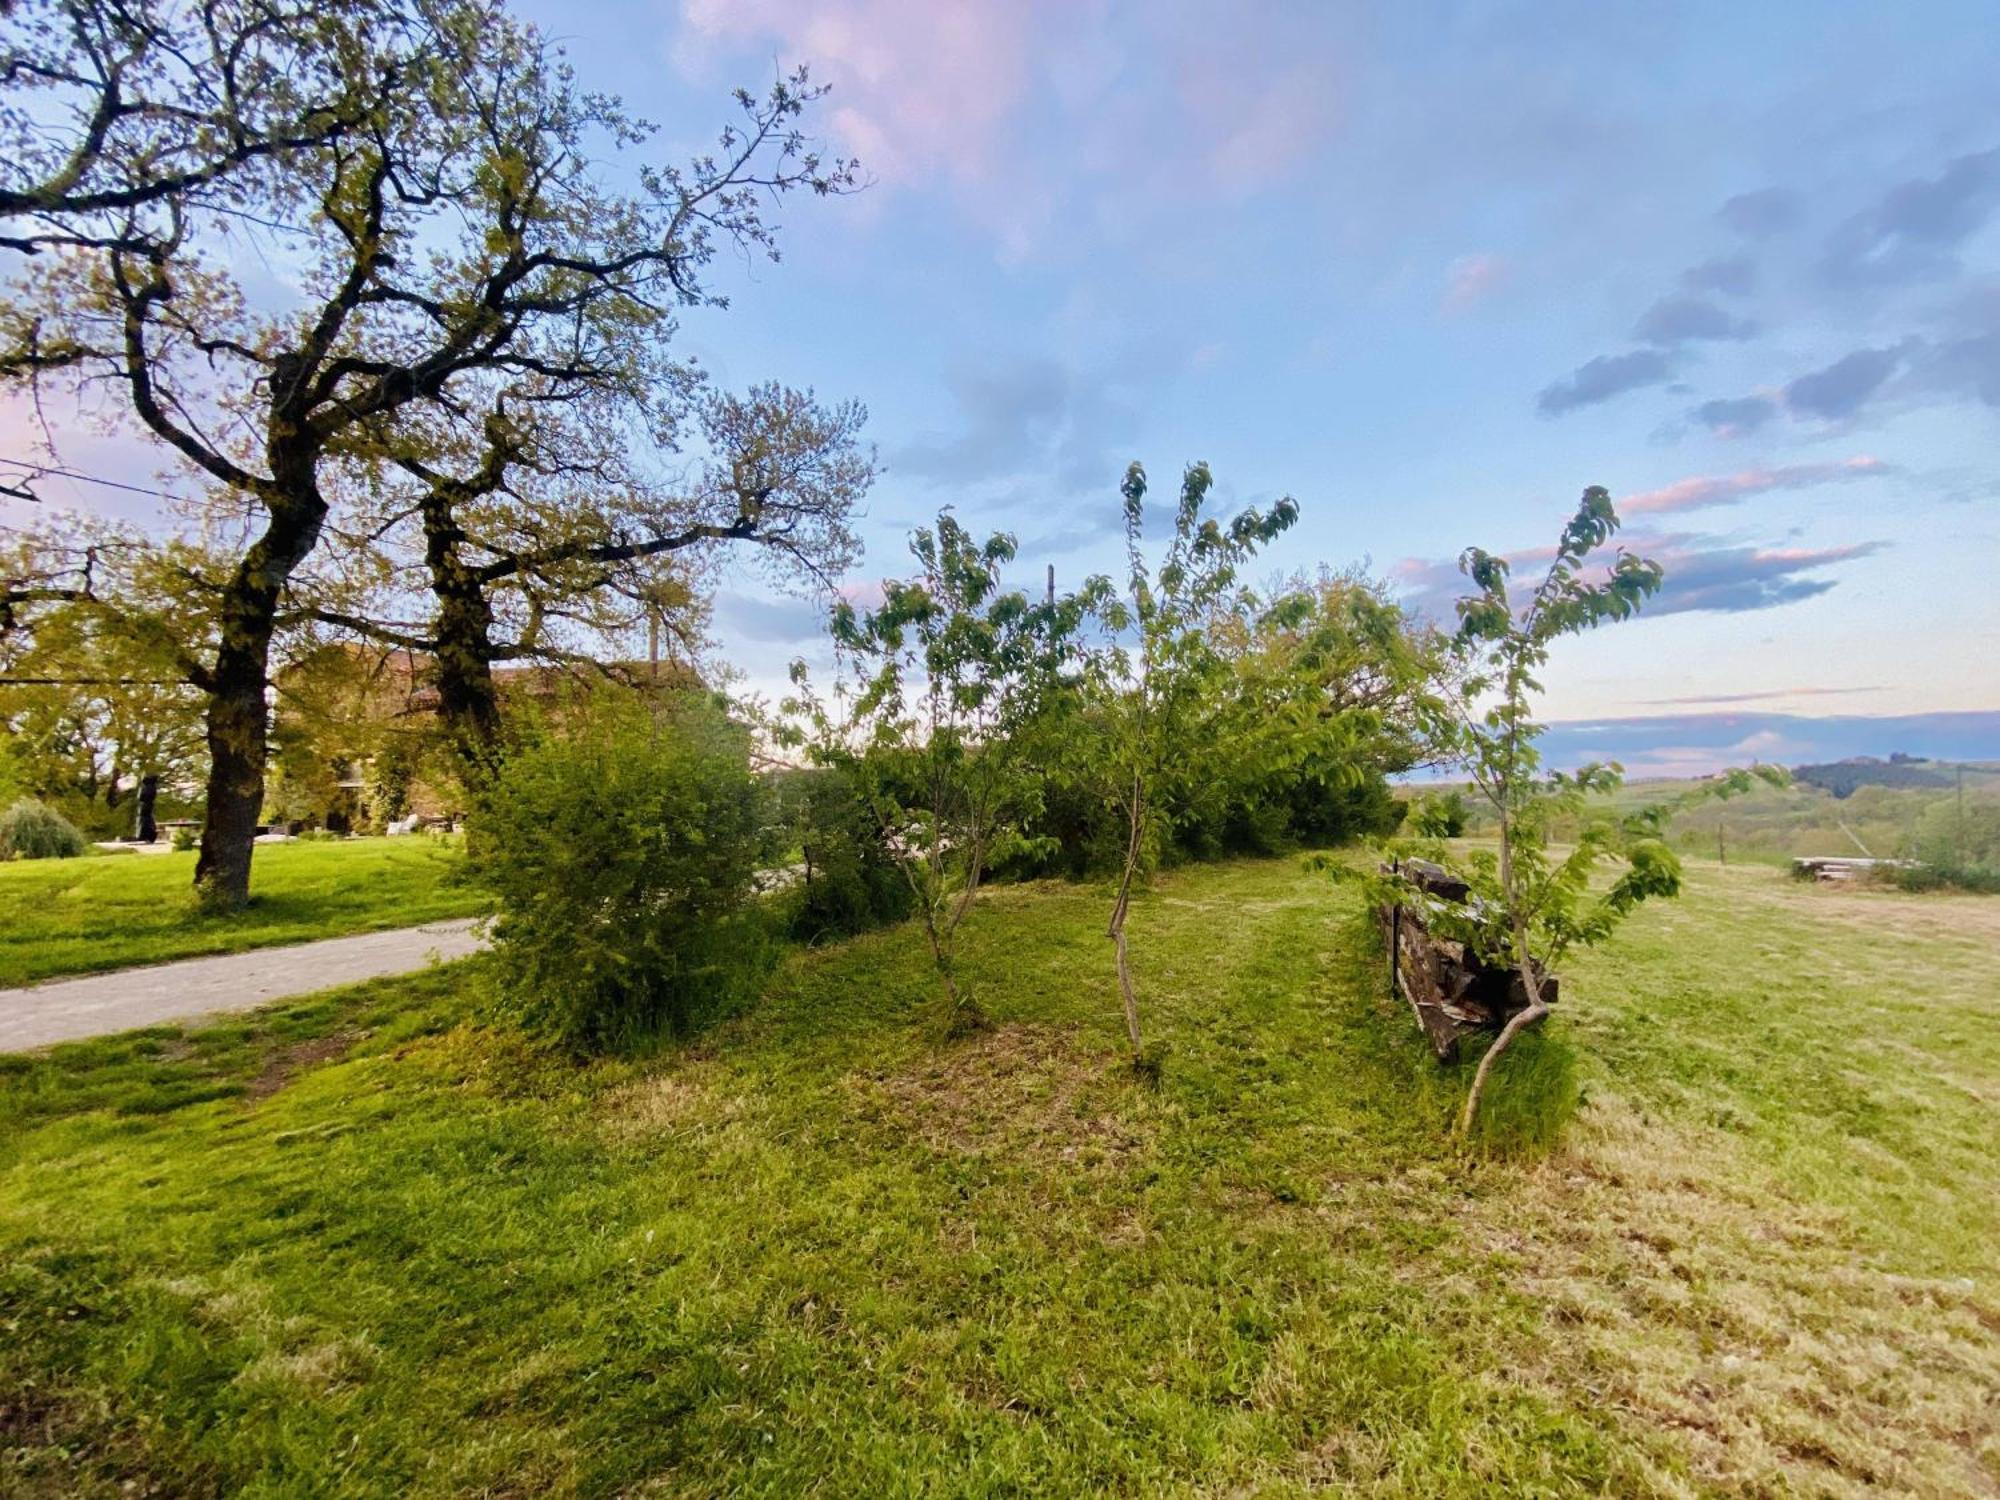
[22, 489]
[91, 682]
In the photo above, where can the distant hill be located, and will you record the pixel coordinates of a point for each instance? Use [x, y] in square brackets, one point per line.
[1844, 777]
[1695, 744]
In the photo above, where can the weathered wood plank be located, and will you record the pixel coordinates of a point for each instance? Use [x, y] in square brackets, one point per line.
[1449, 990]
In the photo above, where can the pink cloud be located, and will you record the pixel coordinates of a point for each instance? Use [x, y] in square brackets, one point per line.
[1254, 137]
[1727, 489]
[1678, 762]
[920, 89]
[1423, 572]
[1812, 557]
[1042, 119]
[1471, 279]
[1761, 697]
[862, 593]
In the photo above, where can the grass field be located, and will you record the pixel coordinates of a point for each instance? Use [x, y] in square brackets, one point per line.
[75, 916]
[1772, 825]
[363, 1245]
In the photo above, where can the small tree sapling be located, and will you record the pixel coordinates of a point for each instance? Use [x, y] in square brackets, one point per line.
[1529, 905]
[937, 677]
[1159, 692]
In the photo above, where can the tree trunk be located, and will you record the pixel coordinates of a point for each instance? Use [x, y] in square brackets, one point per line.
[1520, 1021]
[962, 1013]
[237, 727]
[468, 701]
[1535, 1009]
[1119, 911]
[146, 830]
[238, 715]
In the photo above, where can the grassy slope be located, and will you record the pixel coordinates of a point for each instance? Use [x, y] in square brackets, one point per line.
[355, 1246]
[73, 916]
[1772, 825]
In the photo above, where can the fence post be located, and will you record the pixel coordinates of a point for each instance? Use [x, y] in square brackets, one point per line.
[1395, 935]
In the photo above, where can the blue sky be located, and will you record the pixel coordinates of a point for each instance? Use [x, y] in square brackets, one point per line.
[1431, 269]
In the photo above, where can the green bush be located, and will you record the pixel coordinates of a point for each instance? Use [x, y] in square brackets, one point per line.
[1331, 811]
[622, 856]
[1073, 832]
[1949, 874]
[848, 880]
[1069, 832]
[1956, 842]
[1441, 815]
[29, 830]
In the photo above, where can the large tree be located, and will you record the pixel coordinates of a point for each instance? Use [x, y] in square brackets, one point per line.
[505, 543]
[114, 109]
[457, 230]
[95, 702]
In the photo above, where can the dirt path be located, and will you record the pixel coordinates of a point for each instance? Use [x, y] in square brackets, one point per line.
[66, 1010]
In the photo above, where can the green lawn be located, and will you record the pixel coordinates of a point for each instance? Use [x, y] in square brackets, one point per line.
[74, 916]
[363, 1245]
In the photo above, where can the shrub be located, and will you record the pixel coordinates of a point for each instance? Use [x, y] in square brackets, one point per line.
[1068, 830]
[185, 839]
[848, 881]
[1948, 874]
[29, 830]
[623, 858]
[1327, 811]
[1957, 843]
[1440, 815]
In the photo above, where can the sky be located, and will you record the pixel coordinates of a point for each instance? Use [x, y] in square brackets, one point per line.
[1429, 268]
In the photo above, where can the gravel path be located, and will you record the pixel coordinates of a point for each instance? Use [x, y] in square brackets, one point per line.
[65, 1010]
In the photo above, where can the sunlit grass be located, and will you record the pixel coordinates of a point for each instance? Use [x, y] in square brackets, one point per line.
[73, 916]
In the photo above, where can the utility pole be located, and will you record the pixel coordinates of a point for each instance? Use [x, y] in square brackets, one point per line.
[1052, 599]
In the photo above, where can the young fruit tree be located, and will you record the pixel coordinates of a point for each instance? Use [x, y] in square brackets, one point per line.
[1161, 692]
[937, 678]
[1529, 904]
